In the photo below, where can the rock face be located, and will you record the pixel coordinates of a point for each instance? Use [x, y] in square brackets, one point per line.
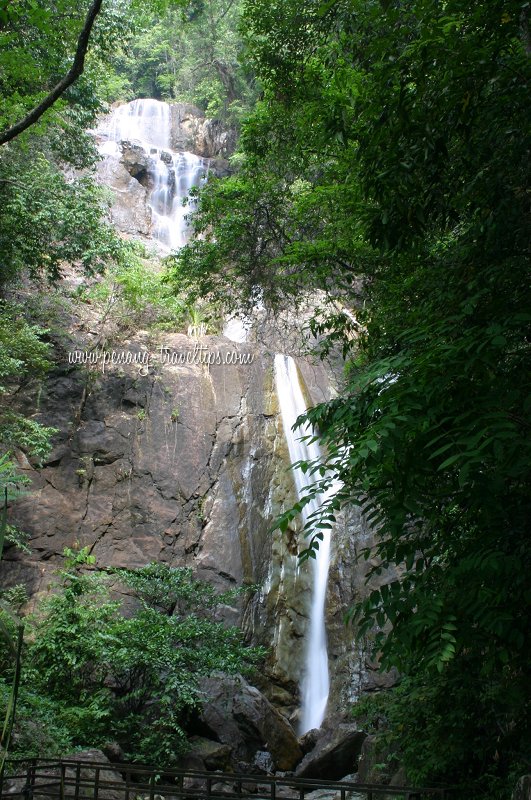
[129, 211]
[191, 131]
[238, 715]
[335, 754]
[158, 466]
[185, 464]
[522, 789]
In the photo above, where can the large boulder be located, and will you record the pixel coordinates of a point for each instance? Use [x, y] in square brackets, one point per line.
[93, 763]
[136, 161]
[309, 739]
[335, 754]
[130, 211]
[239, 715]
[214, 755]
[379, 764]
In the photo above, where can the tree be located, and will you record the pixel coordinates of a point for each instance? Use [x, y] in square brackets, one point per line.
[190, 55]
[50, 214]
[133, 677]
[60, 88]
[387, 155]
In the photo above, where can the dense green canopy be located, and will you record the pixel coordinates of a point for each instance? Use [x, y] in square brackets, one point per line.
[383, 160]
[389, 152]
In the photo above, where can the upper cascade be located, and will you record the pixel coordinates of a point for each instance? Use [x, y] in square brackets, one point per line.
[146, 124]
[144, 120]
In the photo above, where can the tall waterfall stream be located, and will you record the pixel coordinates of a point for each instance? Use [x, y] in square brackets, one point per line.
[315, 681]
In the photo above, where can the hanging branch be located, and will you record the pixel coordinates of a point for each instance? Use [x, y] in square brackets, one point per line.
[73, 74]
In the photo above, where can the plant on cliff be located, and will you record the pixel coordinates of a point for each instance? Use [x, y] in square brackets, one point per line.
[51, 213]
[128, 677]
[133, 294]
[47, 217]
[24, 356]
[12, 635]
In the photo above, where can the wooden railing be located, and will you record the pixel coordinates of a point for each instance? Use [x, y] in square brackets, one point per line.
[70, 779]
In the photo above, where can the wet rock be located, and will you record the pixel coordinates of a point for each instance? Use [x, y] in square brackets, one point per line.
[335, 754]
[129, 212]
[214, 755]
[308, 740]
[522, 790]
[135, 160]
[240, 715]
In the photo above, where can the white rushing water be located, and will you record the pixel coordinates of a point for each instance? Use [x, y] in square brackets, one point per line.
[237, 329]
[315, 682]
[147, 123]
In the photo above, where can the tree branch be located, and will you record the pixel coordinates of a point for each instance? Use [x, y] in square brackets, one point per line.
[72, 75]
[224, 13]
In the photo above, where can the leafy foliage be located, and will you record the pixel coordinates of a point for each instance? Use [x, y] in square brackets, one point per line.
[189, 55]
[134, 294]
[385, 160]
[47, 221]
[127, 677]
[463, 740]
[23, 356]
[12, 633]
[38, 43]
[50, 214]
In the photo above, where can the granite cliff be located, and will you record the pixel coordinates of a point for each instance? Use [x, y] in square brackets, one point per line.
[170, 448]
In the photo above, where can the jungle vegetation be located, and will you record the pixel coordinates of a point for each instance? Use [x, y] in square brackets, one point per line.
[383, 160]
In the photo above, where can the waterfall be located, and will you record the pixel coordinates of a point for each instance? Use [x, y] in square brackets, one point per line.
[237, 329]
[146, 124]
[315, 681]
[144, 120]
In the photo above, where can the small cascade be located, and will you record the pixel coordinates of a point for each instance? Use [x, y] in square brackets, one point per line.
[143, 120]
[146, 123]
[315, 682]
